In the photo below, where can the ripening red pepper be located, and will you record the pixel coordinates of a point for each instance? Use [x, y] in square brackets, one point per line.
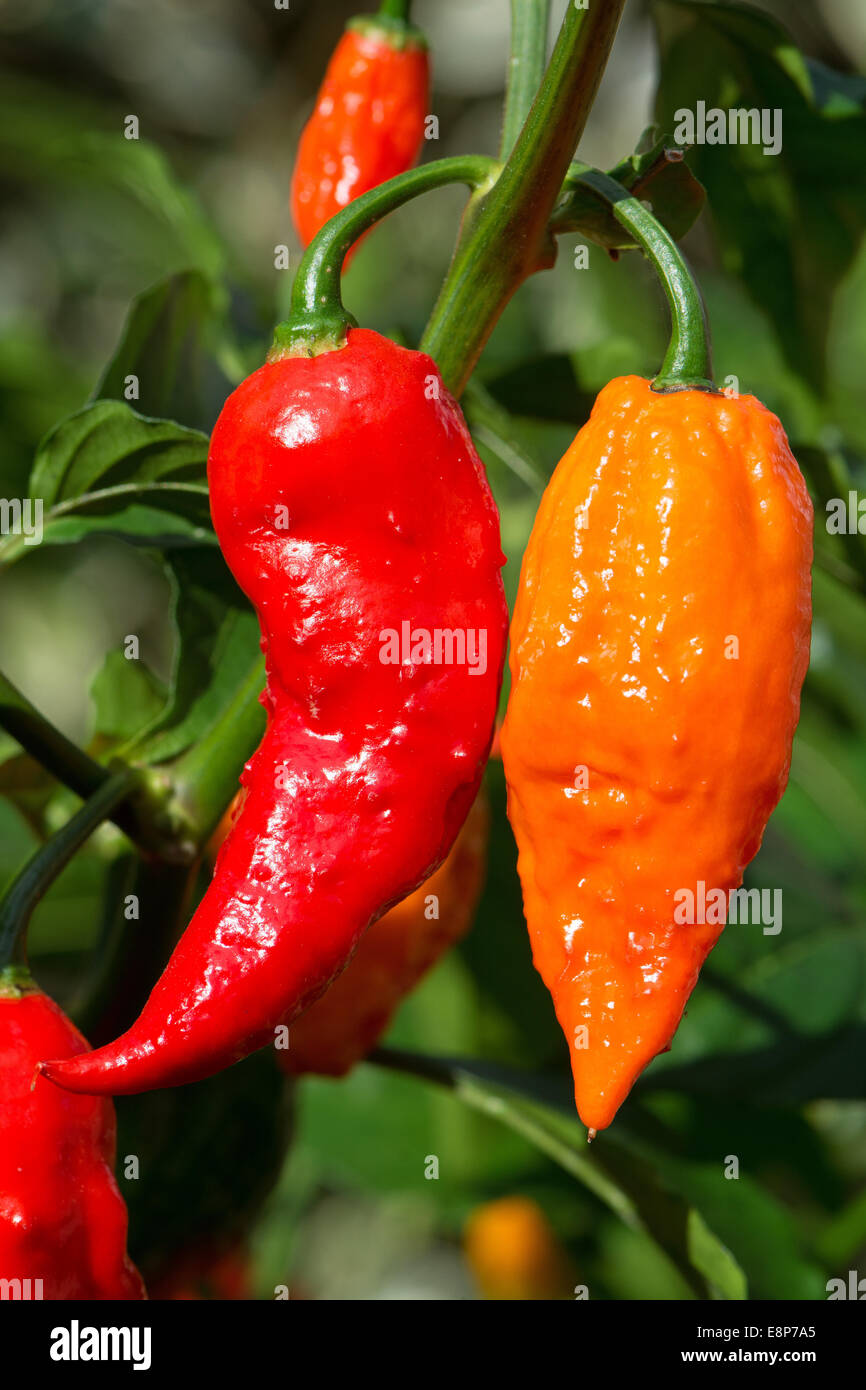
[354, 512]
[368, 123]
[62, 1218]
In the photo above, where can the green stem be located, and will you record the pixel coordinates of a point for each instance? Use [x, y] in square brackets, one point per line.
[317, 320]
[529, 24]
[396, 9]
[506, 239]
[31, 884]
[206, 777]
[687, 363]
[144, 817]
[38, 737]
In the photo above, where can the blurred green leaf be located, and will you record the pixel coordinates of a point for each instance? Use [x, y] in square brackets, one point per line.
[788, 224]
[54, 141]
[175, 344]
[656, 173]
[126, 696]
[217, 647]
[636, 1194]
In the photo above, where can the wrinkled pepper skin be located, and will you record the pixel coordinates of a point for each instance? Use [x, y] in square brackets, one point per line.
[62, 1218]
[353, 1013]
[367, 126]
[674, 523]
[348, 500]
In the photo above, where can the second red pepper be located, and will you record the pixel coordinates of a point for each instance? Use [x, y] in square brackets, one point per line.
[368, 124]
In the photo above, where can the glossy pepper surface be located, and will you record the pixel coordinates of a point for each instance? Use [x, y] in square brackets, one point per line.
[368, 123]
[353, 1013]
[62, 1218]
[353, 510]
[659, 643]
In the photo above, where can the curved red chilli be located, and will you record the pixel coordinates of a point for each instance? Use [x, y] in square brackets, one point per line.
[348, 500]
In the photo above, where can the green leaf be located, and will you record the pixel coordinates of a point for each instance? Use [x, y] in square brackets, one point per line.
[632, 1190]
[217, 647]
[54, 142]
[174, 343]
[789, 225]
[126, 696]
[104, 460]
[656, 173]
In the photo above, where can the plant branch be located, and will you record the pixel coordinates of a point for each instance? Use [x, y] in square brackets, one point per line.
[143, 814]
[205, 778]
[529, 25]
[317, 320]
[34, 880]
[687, 362]
[38, 737]
[504, 237]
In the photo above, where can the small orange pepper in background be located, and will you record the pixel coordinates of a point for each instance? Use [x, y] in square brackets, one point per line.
[514, 1254]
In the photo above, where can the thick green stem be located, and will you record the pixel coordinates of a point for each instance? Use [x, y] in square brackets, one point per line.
[26, 891]
[529, 24]
[206, 777]
[506, 239]
[687, 363]
[317, 320]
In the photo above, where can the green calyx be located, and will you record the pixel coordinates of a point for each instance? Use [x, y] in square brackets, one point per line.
[16, 981]
[29, 887]
[309, 335]
[388, 29]
[687, 365]
[318, 321]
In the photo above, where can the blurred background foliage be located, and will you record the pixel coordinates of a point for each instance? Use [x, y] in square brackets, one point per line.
[770, 1064]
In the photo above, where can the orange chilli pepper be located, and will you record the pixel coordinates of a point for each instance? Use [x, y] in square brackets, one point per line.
[658, 646]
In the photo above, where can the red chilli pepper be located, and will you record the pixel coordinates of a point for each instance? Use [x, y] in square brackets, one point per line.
[62, 1218]
[354, 512]
[368, 124]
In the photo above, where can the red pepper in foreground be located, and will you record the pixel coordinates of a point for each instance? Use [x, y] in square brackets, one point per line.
[354, 512]
[62, 1218]
[368, 124]
[353, 1013]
